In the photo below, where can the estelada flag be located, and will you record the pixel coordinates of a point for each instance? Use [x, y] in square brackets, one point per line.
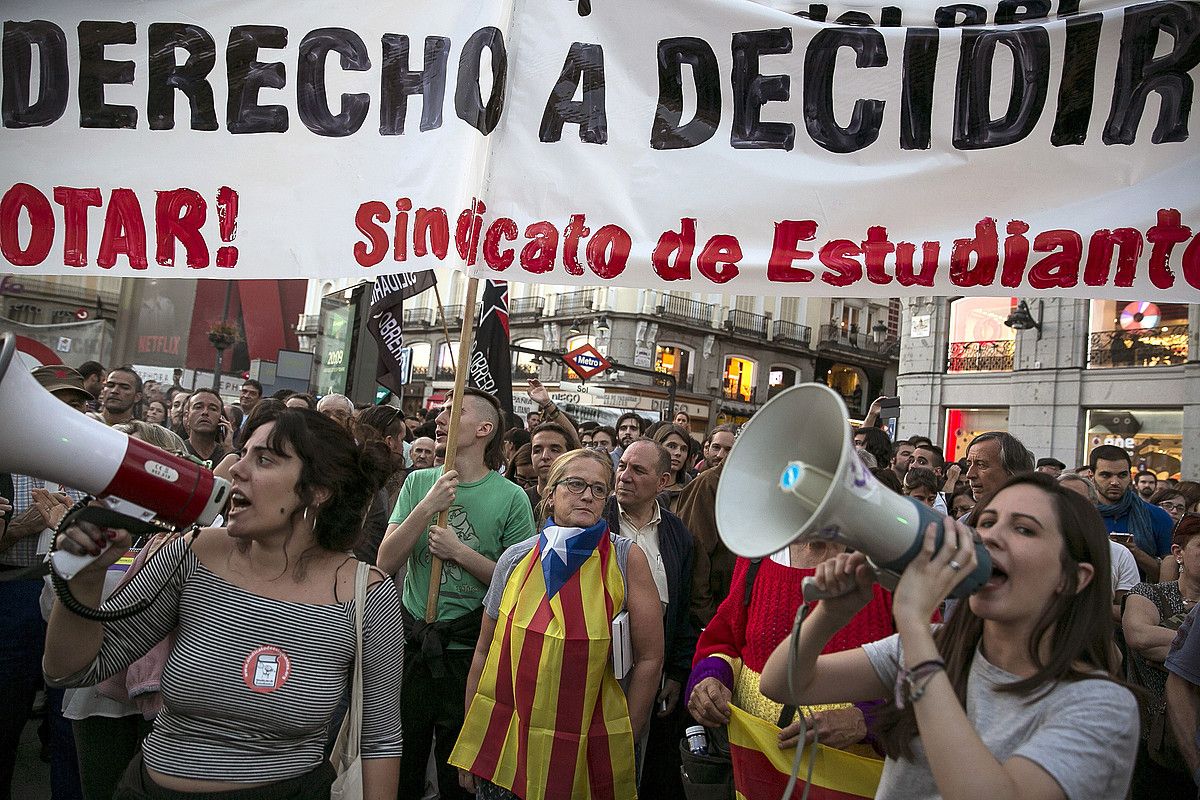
[761, 770]
[548, 720]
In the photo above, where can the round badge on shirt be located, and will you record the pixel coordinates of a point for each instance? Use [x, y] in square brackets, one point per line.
[266, 669]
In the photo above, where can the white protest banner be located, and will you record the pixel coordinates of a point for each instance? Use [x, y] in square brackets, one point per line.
[705, 145]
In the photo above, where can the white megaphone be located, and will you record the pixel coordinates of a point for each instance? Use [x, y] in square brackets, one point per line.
[45, 438]
[794, 475]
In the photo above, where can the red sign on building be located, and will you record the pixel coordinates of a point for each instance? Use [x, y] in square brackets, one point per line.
[586, 361]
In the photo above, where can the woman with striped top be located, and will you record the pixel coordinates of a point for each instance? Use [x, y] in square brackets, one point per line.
[264, 624]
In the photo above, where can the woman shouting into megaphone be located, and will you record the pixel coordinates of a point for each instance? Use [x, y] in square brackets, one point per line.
[1016, 696]
[265, 623]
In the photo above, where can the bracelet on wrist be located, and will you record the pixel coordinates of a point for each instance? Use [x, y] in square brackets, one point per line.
[911, 683]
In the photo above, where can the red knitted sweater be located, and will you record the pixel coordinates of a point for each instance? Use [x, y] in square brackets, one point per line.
[753, 633]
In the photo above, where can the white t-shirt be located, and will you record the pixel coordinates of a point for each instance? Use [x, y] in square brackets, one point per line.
[1083, 733]
[1124, 568]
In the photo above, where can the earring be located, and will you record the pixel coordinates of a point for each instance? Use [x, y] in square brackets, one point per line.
[1179, 561]
[304, 516]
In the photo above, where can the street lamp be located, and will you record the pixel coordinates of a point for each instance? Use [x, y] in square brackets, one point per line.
[1021, 320]
[879, 332]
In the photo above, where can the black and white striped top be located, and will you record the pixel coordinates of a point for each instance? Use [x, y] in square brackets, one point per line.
[252, 683]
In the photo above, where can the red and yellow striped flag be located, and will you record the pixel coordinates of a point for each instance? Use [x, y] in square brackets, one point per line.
[761, 769]
[549, 720]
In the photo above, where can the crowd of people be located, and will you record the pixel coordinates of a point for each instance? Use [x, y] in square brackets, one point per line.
[584, 612]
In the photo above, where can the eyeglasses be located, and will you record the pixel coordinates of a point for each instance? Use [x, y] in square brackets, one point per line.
[578, 485]
[1175, 507]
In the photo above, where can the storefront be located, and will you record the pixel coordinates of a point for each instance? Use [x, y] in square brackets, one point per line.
[964, 424]
[1152, 437]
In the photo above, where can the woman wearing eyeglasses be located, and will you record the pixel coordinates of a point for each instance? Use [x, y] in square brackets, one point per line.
[546, 716]
[520, 469]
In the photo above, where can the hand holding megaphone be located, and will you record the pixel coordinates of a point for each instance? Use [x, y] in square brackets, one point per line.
[844, 584]
[88, 548]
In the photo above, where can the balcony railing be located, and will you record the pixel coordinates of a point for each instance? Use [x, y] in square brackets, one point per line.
[995, 356]
[732, 393]
[864, 341]
[418, 317]
[685, 310]
[444, 374]
[747, 323]
[1151, 347]
[581, 302]
[791, 333]
[526, 308]
[454, 315]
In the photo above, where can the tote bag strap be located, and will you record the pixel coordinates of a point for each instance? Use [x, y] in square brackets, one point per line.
[356, 695]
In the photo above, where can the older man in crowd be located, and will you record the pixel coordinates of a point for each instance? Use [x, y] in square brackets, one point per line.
[338, 408]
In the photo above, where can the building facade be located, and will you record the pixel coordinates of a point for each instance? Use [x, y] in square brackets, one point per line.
[727, 354]
[1091, 372]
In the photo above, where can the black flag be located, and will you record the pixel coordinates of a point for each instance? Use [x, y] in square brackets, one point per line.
[491, 361]
[385, 321]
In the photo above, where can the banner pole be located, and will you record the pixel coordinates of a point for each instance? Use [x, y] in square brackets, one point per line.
[460, 382]
[446, 328]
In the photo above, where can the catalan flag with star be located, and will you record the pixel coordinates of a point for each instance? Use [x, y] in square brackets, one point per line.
[549, 720]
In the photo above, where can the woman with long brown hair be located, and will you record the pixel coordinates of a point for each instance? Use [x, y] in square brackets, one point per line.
[1016, 696]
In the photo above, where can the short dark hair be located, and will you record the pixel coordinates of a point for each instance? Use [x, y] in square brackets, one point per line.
[917, 441]
[641, 421]
[308, 399]
[608, 430]
[384, 420]
[208, 390]
[1085, 466]
[875, 442]
[728, 427]
[1142, 472]
[552, 427]
[282, 394]
[901, 443]
[137, 379]
[939, 458]
[253, 384]
[1108, 452]
[89, 368]
[921, 476]
[517, 437]
[1014, 456]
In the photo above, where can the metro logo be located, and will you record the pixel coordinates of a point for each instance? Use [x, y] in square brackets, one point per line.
[586, 361]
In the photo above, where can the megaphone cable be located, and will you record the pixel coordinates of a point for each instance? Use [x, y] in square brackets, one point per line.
[63, 589]
[793, 656]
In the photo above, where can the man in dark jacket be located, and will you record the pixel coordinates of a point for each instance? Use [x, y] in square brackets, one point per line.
[635, 513]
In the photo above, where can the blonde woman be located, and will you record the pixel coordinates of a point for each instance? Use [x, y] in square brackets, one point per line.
[546, 716]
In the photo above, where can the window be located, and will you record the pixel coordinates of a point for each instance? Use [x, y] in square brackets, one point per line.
[523, 364]
[1152, 437]
[851, 383]
[420, 360]
[778, 379]
[964, 424]
[1133, 333]
[445, 363]
[739, 379]
[674, 360]
[979, 339]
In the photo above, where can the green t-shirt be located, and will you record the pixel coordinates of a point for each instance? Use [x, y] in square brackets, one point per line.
[488, 516]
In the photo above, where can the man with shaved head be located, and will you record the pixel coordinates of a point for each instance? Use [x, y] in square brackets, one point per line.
[421, 452]
[486, 514]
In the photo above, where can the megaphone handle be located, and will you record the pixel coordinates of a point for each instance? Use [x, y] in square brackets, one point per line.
[68, 565]
[814, 592]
